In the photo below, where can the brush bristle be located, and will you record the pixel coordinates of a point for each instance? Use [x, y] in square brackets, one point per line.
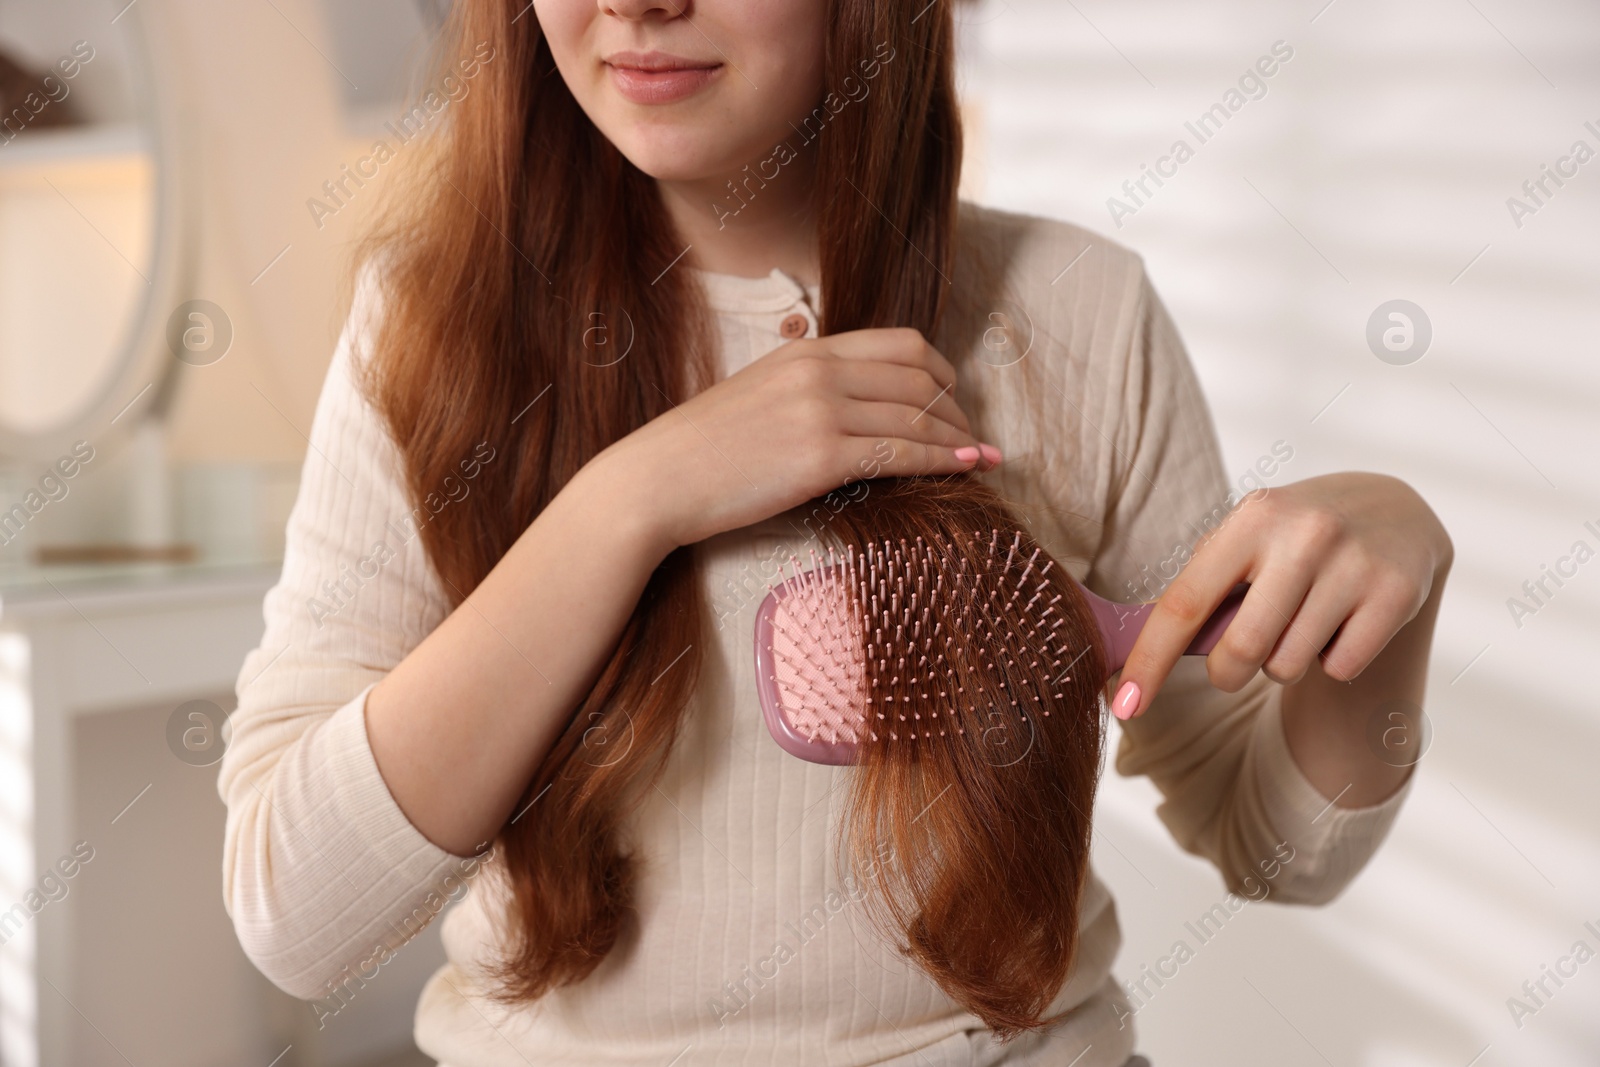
[871, 641]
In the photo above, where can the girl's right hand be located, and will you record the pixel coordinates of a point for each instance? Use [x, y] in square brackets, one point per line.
[793, 425]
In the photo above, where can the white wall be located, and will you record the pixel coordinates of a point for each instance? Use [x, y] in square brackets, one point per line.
[1377, 166]
[262, 106]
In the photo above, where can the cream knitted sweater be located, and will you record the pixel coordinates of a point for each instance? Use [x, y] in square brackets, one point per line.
[749, 947]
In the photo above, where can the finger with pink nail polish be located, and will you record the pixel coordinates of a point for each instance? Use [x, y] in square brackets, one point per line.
[1127, 700]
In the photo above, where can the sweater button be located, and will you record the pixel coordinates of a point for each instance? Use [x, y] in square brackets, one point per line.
[794, 326]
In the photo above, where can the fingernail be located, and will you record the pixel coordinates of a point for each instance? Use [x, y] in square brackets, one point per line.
[991, 454]
[967, 454]
[1127, 701]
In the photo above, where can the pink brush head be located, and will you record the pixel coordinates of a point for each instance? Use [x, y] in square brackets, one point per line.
[915, 610]
[892, 639]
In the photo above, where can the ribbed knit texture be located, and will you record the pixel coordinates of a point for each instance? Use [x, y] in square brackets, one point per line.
[749, 949]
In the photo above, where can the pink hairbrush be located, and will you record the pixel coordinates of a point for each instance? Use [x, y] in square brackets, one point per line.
[812, 646]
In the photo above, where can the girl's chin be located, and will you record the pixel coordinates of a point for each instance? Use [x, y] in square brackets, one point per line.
[678, 159]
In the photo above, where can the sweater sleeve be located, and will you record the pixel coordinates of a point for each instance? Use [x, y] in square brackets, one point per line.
[1231, 789]
[323, 875]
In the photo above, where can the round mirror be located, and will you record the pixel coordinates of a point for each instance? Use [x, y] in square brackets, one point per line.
[90, 242]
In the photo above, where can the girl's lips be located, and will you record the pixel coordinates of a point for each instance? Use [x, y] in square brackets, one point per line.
[660, 86]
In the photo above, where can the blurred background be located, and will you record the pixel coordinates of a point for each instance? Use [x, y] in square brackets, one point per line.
[1384, 255]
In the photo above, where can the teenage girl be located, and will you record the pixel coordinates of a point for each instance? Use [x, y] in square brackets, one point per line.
[674, 272]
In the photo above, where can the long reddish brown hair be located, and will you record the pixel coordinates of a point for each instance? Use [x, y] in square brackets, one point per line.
[525, 230]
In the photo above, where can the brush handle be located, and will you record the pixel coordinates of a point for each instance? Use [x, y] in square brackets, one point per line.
[1120, 625]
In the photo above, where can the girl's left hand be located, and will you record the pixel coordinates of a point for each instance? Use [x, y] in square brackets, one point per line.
[1336, 565]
